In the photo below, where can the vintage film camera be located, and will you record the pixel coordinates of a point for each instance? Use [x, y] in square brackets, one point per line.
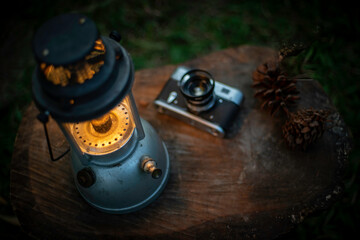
[192, 95]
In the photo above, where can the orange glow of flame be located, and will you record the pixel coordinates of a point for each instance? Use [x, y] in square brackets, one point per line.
[79, 72]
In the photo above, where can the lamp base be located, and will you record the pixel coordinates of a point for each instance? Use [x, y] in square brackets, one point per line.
[123, 186]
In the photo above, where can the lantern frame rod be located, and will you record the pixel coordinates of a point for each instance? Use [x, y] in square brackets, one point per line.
[136, 116]
[43, 117]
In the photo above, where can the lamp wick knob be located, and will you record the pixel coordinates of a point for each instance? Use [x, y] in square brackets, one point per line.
[148, 165]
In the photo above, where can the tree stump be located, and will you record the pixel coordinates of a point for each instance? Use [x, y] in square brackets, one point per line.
[249, 185]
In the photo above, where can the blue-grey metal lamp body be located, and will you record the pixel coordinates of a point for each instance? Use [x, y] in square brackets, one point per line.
[119, 162]
[121, 184]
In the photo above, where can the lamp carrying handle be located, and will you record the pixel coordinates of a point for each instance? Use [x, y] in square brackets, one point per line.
[43, 117]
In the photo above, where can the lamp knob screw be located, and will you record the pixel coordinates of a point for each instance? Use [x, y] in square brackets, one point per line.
[82, 20]
[115, 35]
[148, 165]
[86, 177]
[45, 52]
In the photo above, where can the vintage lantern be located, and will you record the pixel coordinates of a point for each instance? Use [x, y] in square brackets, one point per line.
[83, 81]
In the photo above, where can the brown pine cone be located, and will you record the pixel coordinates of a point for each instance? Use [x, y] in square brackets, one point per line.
[293, 49]
[304, 127]
[274, 89]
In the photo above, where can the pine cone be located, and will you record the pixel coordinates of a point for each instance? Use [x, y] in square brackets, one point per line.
[274, 88]
[304, 127]
[289, 50]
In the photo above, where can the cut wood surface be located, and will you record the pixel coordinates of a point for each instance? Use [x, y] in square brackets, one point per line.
[249, 185]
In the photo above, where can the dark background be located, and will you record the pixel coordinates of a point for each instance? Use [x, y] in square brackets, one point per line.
[163, 32]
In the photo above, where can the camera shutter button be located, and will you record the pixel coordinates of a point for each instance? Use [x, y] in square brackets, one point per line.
[172, 97]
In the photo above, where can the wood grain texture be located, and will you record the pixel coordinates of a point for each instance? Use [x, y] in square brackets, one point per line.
[246, 186]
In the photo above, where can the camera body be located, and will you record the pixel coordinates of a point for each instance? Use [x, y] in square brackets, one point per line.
[193, 96]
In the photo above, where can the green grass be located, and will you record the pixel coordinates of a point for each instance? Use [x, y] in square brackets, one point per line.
[168, 32]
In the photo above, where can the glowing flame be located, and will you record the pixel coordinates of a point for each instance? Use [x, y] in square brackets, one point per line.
[107, 133]
[79, 72]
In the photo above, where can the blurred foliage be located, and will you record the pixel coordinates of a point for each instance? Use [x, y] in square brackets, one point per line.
[163, 32]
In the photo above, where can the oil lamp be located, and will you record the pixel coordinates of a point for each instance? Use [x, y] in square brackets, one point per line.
[83, 81]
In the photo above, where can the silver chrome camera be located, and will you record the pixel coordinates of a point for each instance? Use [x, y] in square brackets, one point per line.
[192, 95]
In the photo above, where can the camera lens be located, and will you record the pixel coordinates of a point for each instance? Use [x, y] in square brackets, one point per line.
[197, 86]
